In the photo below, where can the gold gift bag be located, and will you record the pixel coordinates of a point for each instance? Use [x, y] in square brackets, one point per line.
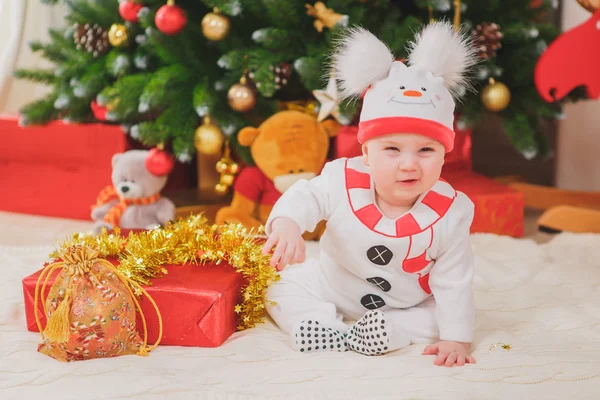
[91, 309]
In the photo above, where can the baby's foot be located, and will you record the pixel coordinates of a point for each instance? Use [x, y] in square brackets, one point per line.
[311, 336]
[371, 334]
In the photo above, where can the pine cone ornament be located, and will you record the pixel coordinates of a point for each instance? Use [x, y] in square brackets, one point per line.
[282, 74]
[91, 38]
[486, 38]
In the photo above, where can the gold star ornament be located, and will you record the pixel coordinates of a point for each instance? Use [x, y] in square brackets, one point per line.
[330, 102]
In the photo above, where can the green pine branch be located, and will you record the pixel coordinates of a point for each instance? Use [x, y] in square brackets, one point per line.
[40, 111]
[284, 13]
[164, 84]
[103, 13]
[38, 75]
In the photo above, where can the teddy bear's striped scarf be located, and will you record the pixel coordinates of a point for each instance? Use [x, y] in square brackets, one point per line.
[113, 216]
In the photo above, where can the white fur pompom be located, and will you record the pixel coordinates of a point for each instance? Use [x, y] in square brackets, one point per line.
[359, 60]
[445, 53]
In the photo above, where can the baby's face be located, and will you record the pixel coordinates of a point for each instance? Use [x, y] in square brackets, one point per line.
[403, 166]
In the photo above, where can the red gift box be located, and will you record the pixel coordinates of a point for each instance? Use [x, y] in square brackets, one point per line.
[498, 208]
[346, 143]
[71, 161]
[196, 303]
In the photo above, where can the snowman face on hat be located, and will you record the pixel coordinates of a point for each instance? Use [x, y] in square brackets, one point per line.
[409, 92]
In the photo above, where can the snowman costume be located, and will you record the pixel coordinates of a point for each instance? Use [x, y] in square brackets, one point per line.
[405, 280]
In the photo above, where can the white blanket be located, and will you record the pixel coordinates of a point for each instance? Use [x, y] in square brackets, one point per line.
[543, 300]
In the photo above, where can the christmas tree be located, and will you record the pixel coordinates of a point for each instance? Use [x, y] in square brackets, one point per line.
[164, 68]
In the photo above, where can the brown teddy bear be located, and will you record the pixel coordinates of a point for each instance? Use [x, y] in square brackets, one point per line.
[287, 147]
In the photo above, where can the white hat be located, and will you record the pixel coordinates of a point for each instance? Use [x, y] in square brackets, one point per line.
[400, 98]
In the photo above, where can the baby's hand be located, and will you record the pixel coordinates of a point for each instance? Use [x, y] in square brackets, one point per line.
[291, 247]
[450, 353]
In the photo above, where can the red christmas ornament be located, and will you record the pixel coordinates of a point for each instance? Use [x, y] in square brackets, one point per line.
[159, 162]
[536, 3]
[129, 10]
[170, 19]
[98, 110]
[570, 61]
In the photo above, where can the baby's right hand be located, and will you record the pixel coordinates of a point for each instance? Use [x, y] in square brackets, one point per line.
[291, 247]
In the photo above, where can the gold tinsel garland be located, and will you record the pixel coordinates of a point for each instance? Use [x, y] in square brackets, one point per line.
[142, 256]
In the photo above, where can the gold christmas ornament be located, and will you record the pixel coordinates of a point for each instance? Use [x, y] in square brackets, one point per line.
[227, 179]
[221, 189]
[208, 138]
[325, 17]
[495, 96]
[117, 35]
[142, 256]
[228, 169]
[241, 96]
[222, 166]
[225, 166]
[234, 168]
[215, 26]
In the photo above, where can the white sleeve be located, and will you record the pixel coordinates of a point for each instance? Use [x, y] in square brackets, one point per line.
[451, 277]
[306, 201]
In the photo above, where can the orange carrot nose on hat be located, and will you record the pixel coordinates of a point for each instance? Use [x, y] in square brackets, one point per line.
[400, 98]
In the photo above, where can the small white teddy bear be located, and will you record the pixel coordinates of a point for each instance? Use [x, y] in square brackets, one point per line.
[133, 201]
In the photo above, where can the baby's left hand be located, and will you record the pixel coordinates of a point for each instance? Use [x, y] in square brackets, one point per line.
[450, 353]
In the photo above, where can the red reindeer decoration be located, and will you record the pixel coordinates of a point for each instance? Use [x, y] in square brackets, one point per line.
[572, 59]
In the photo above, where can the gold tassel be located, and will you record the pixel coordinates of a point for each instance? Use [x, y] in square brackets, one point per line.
[57, 329]
[144, 351]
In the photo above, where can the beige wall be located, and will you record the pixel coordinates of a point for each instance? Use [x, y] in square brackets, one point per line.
[22, 21]
[578, 153]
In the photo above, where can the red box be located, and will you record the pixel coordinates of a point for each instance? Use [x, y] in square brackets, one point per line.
[498, 208]
[59, 169]
[196, 303]
[346, 143]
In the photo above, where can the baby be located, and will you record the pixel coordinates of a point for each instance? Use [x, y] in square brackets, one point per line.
[396, 254]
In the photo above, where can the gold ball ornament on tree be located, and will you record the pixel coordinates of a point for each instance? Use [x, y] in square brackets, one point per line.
[228, 169]
[241, 96]
[227, 179]
[225, 166]
[221, 189]
[215, 26]
[222, 166]
[234, 168]
[208, 138]
[495, 96]
[117, 35]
